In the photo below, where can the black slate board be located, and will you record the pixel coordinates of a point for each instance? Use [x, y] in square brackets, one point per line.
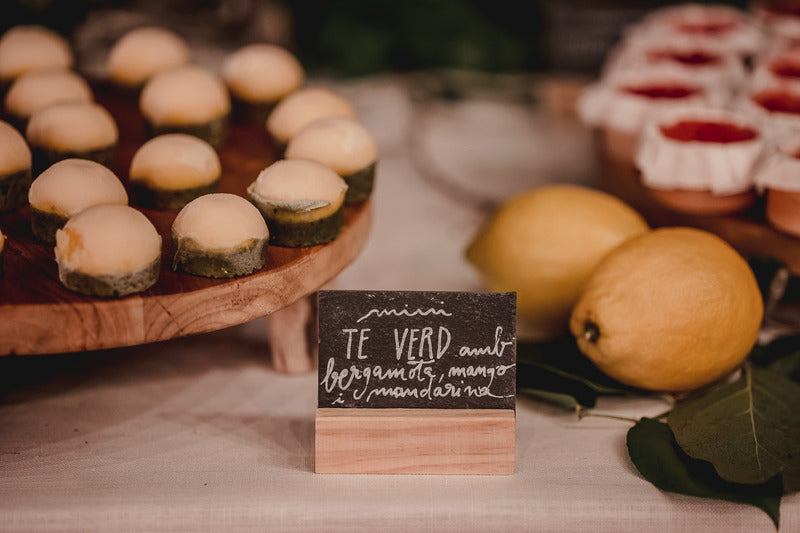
[403, 349]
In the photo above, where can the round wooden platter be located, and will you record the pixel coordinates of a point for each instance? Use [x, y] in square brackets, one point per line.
[747, 232]
[37, 315]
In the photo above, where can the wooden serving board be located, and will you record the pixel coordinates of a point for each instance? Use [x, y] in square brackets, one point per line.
[747, 232]
[37, 315]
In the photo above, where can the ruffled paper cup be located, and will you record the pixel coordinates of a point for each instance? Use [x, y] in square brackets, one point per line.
[779, 179]
[714, 27]
[619, 106]
[707, 66]
[701, 161]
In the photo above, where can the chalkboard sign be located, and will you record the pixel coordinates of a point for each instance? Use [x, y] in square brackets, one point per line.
[433, 350]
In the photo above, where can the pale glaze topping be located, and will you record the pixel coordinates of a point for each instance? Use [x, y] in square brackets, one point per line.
[107, 240]
[14, 152]
[220, 221]
[262, 73]
[35, 90]
[72, 126]
[144, 52]
[184, 95]
[290, 181]
[27, 48]
[342, 144]
[303, 107]
[72, 185]
[175, 161]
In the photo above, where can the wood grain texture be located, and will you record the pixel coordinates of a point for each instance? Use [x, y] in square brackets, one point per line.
[747, 232]
[37, 315]
[415, 441]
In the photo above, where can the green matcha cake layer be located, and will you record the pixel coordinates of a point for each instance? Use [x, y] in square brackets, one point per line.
[283, 232]
[108, 286]
[44, 158]
[191, 258]
[14, 190]
[170, 200]
[214, 132]
[360, 185]
[45, 224]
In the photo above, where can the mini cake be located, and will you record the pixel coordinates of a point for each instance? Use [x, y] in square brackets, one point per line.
[141, 53]
[302, 202]
[219, 236]
[619, 106]
[169, 171]
[258, 76]
[27, 48]
[343, 145]
[704, 65]
[715, 27]
[301, 108]
[108, 251]
[72, 129]
[38, 89]
[779, 177]
[777, 106]
[15, 168]
[187, 99]
[67, 188]
[701, 161]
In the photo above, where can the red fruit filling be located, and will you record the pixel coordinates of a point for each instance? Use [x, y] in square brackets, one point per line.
[786, 68]
[782, 8]
[778, 100]
[707, 131]
[686, 58]
[661, 91]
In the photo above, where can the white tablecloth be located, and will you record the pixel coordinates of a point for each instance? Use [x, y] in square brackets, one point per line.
[200, 434]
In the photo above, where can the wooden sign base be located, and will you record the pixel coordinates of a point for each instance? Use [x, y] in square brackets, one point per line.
[415, 441]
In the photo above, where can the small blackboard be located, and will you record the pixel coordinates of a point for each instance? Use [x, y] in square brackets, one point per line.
[437, 350]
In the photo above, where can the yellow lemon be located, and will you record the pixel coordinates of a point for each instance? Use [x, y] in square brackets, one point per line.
[544, 244]
[671, 310]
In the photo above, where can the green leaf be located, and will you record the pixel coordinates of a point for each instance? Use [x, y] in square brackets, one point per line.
[559, 368]
[749, 429]
[657, 456]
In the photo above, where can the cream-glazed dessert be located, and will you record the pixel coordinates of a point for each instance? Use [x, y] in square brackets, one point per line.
[170, 170]
[777, 106]
[143, 52]
[779, 179]
[709, 67]
[35, 90]
[187, 99]
[714, 27]
[302, 202]
[258, 76]
[108, 251]
[301, 108]
[72, 130]
[343, 145]
[702, 161]
[619, 106]
[67, 188]
[2, 250]
[27, 48]
[219, 236]
[15, 168]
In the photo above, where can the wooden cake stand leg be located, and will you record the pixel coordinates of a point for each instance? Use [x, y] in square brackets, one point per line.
[293, 336]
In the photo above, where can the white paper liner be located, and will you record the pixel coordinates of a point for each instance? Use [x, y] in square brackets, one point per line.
[603, 105]
[660, 27]
[722, 168]
[781, 170]
[729, 71]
